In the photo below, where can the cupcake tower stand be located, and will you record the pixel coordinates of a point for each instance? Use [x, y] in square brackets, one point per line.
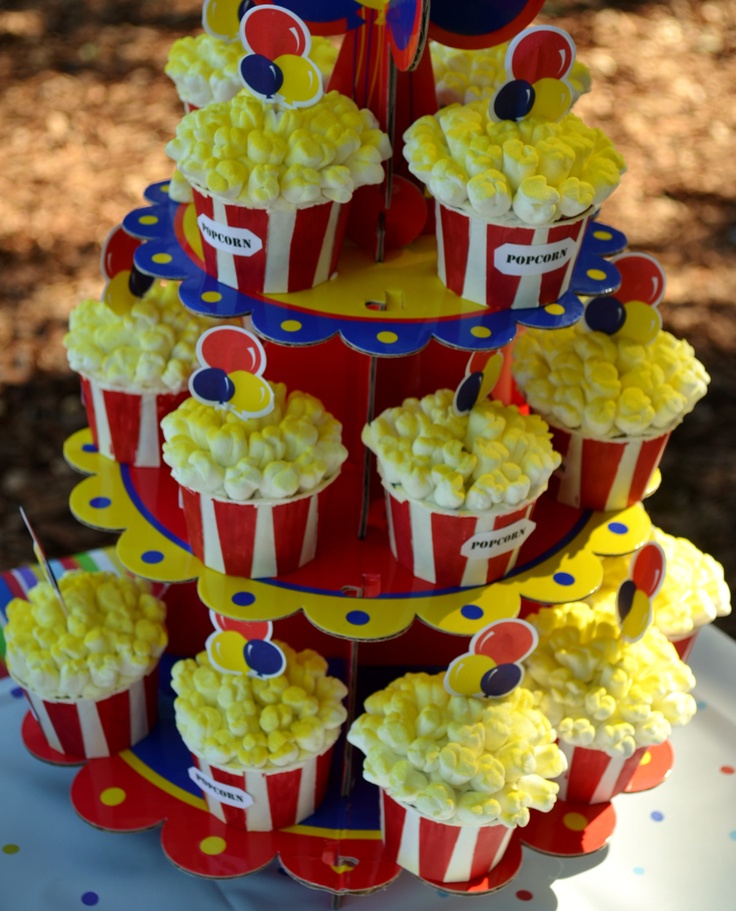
[379, 332]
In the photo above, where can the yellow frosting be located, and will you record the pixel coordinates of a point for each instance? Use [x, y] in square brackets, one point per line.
[492, 458]
[456, 759]
[608, 386]
[463, 76]
[533, 172]
[240, 722]
[113, 635]
[206, 69]
[603, 693]
[152, 347]
[694, 591]
[247, 152]
[291, 450]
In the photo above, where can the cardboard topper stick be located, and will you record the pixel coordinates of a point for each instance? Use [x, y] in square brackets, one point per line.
[244, 647]
[492, 665]
[635, 595]
[43, 562]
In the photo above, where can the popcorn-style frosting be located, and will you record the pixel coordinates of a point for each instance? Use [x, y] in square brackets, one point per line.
[292, 450]
[206, 69]
[459, 760]
[247, 152]
[607, 386]
[240, 722]
[601, 692]
[151, 347]
[113, 635]
[492, 458]
[533, 172]
[694, 591]
[464, 76]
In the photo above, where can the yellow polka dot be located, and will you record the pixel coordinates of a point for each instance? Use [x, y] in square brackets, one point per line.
[148, 220]
[164, 188]
[596, 274]
[291, 325]
[388, 338]
[602, 235]
[480, 331]
[554, 309]
[212, 845]
[113, 797]
[211, 297]
[10, 849]
[161, 258]
[576, 822]
[646, 758]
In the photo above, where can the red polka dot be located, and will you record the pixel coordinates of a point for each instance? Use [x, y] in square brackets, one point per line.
[524, 896]
[727, 769]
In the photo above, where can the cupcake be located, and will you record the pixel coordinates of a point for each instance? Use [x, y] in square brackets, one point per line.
[134, 369]
[457, 774]
[611, 404]
[251, 488]
[271, 186]
[89, 668]
[261, 747]
[693, 594]
[607, 699]
[460, 489]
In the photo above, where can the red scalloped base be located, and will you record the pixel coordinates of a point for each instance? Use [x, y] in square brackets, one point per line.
[655, 767]
[570, 829]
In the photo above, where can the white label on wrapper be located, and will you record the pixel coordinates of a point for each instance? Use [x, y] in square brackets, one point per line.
[520, 259]
[238, 241]
[489, 543]
[225, 793]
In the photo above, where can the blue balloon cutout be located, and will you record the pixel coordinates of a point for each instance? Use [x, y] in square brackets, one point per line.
[605, 314]
[264, 658]
[467, 392]
[501, 680]
[625, 598]
[514, 100]
[213, 385]
[261, 74]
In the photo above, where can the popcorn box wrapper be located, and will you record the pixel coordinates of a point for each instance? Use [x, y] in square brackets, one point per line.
[125, 426]
[436, 851]
[91, 728]
[257, 539]
[270, 251]
[506, 266]
[261, 801]
[604, 474]
[455, 548]
[593, 776]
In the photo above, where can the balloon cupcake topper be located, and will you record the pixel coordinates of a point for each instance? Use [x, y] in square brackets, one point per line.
[635, 595]
[43, 562]
[233, 361]
[491, 666]
[481, 375]
[538, 61]
[125, 282]
[244, 647]
[632, 312]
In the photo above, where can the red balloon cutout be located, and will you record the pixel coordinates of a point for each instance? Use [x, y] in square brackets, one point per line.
[647, 569]
[642, 278]
[543, 53]
[230, 349]
[117, 252]
[249, 629]
[273, 31]
[506, 641]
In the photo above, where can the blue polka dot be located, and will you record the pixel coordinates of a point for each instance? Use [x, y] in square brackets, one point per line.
[701, 705]
[100, 502]
[732, 835]
[471, 611]
[357, 617]
[90, 898]
[563, 578]
[89, 447]
[618, 528]
[657, 816]
[243, 599]
[16, 692]
[639, 871]
[152, 556]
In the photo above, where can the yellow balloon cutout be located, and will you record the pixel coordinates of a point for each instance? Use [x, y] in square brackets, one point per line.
[302, 84]
[491, 373]
[638, 619]
[253, 396]
[643, 322]
[552, 99]
[118, 296]
[466, 672]
[220, 19]
[225, 650]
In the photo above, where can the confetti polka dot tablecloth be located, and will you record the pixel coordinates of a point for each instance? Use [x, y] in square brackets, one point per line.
[674, 847]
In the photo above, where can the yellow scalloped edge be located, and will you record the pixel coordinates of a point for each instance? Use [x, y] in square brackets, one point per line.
[101, 501]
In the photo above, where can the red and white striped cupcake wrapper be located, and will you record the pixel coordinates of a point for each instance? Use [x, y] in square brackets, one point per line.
[684, 644]
[263, 801]
[603, 474]
[436, 851]
[257, 539]
[270, 252]
[593, 776]
[90, 728]
[506, 266]
[126, 425]
[454, 548]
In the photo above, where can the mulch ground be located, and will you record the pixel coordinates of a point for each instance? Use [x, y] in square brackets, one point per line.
[85, 111]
